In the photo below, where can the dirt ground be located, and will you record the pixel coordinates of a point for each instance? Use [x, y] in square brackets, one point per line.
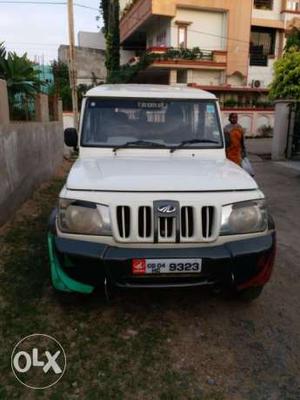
[175, 344]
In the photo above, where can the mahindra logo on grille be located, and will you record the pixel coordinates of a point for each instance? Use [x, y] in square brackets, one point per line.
[166, 209]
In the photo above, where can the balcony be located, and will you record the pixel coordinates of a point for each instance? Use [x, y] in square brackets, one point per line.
[195, 58]
[140, 13]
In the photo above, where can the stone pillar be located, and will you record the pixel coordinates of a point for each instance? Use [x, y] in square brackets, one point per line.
[281, 129]
[190, 76]
[173, 77]
[4, 107]
[41, 108]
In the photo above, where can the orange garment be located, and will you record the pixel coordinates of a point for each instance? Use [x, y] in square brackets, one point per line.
[234, 150]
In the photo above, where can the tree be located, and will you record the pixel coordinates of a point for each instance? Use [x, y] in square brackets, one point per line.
[110, 10]
[20, 75]
[61, 87]
[104, 6]
[23, 82]
[286, 82]
[2, 50]
[293, 40]
[2, 57]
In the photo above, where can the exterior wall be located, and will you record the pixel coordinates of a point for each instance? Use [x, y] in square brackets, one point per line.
[282, 111]
[236, 80]
[251, 120]
[30, 152]
[207, 29]
[263, 74]
[93, 40]
[274, 14]
[89, 63]
[205, 77]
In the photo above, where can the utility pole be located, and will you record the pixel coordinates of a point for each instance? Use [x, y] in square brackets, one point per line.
[72, 65]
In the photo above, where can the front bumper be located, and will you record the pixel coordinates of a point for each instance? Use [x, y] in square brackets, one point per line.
[79, 266]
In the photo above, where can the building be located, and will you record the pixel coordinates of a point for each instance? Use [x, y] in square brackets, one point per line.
[92, 40]
[96, 40]
[45, 75]
[235, 43]
[89, 58]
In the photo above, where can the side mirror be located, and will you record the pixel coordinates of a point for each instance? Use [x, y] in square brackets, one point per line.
[71, 137]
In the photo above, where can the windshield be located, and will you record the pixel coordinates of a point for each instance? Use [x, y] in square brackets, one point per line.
[117, 122]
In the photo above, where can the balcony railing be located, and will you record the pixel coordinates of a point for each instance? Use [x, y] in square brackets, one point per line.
[259, 60]
[182, 54]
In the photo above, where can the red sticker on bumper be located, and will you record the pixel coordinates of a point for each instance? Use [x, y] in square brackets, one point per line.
[138, 267]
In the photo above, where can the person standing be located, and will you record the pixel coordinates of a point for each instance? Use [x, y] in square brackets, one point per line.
[234, 140]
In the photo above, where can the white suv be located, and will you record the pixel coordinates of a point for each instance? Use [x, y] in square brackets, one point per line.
[152, 200]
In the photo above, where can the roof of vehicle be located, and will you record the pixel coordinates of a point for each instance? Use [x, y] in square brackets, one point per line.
[150, 91]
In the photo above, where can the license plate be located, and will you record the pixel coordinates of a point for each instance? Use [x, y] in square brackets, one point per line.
[166, 266]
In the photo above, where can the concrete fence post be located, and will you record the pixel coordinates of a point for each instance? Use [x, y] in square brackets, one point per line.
[58, 109]
[41, 108]
[281, 129]
[4, 107]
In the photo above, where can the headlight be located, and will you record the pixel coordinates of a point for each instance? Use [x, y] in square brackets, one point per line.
[246, 217]
[84, 217]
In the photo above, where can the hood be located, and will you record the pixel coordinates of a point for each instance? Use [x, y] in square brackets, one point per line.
[157, 174]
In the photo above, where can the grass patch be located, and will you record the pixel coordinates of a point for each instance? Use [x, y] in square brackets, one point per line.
[120, 351]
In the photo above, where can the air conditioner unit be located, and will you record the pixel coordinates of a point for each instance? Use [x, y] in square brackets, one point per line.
[257, 84]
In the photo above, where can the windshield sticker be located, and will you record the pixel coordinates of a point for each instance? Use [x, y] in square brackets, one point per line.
[152, 105]
[210, 109]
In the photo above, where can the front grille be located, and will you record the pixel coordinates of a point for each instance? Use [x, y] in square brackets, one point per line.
[187, 222]
[144, 224]
[145, 221]
[207, 221]
[166, 227]
[123, 220]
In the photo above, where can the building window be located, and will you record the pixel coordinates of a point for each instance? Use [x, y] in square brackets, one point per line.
[182, 36]
[262, 45]
[263, 4]
[182, 76]
[161, 38]
[293, 5]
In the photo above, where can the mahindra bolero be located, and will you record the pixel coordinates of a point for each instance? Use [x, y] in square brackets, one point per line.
[152, 200]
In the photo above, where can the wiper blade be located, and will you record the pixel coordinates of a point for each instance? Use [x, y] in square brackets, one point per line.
[139, 143]
[193, 141]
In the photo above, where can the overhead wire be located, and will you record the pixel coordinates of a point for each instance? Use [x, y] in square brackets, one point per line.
[58, 3]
